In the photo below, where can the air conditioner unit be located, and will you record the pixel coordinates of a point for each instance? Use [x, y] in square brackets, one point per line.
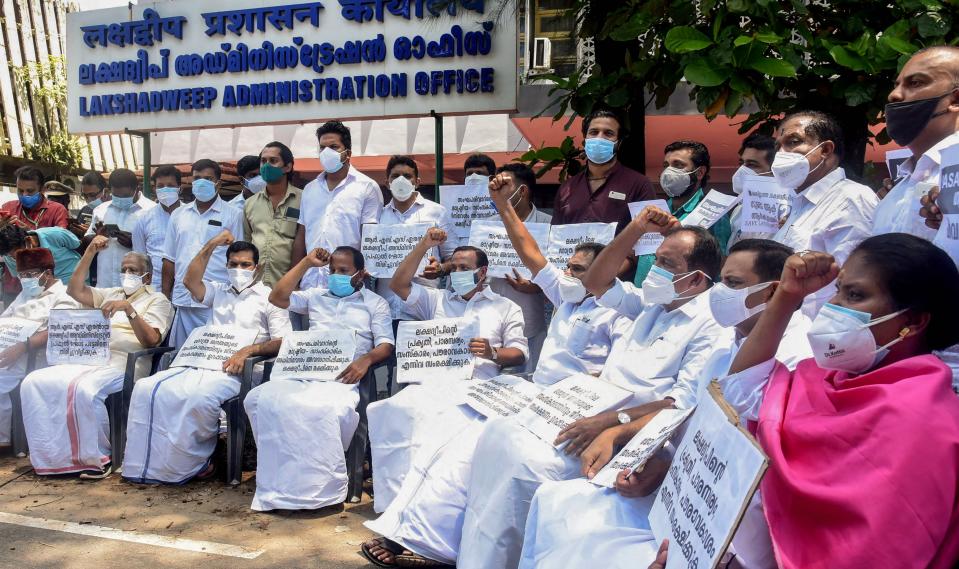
[542, 54]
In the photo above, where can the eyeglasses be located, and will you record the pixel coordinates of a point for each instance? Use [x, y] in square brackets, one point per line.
[31, 274]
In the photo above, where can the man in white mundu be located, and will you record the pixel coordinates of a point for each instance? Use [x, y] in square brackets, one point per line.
[303, 427]
[658, 359]
[425, 415]
[64, 409]
[426, 517]
[41, 290]
[174, 416]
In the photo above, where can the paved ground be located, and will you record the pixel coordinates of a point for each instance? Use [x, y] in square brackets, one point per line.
[145, 515]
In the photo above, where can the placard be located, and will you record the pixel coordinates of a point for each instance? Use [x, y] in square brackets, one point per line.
[568, 400]
[501, 396]
[490, 236]
[714, 474]
[765, 203]
[78, 336]
[648, 243]
[16, 330]
[710, 209]
[315, 355]
[466, 204]
[947, 238]
[385, 246]
[434, 348]
[563, 239]
[894, 158]
[207, 347]
[642, 446]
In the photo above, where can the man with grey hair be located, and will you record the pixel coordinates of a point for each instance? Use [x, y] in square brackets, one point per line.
[64, 405]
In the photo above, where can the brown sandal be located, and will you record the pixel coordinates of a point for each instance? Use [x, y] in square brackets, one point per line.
[381, 542]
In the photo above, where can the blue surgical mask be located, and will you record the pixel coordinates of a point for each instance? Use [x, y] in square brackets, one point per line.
[29, 202]
[31, 286]
[203, 190]
[600, 150]
[463, 282]
[122, 203]
[341, 285]
[95, 203]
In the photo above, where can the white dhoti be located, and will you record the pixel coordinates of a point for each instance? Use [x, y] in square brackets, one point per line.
[576, 524]
[509, 465]
[65, 416]
[173, 423]
[302, 430]
[186, 319]
[9, 379]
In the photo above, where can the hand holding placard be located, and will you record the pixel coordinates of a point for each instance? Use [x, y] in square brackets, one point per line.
[78, 336]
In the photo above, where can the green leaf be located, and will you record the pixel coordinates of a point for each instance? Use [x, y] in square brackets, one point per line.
[618, 98]
[700, 71]
[931, 24]
[900, 30]
[549, 153]
[773, 67]
[630, 29]
[846, 58]
[684, 39]
[898, 45]
[737, 5]
[742, 40]
[861, 45]
[768, 37]
[858, 94]
[733, 103]
[737, 83]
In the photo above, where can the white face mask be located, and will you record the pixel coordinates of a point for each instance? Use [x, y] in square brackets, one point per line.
[728, 305]
[659, 287]
[463, 282]
[791, 168]
[130, 283]
[256, 184]
[401, 188]
[477, 180]
[840, 339]
[241, 278]
[168, 196]
[331, 161]
[675, 181]
[740, 177]
[571, 289]
[31, 286]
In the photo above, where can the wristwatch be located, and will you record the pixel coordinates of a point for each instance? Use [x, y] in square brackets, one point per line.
[133, 316]
[623, 418]
[494, 353]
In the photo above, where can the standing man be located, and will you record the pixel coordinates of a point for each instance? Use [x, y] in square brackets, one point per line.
[336, 204]
[190, 227]
[270, 216]
[478, 168]
[32, 208]
[828, 212]
[756, 157]
[115, 220]
[149, 228]
[248, 169]
[94, 190]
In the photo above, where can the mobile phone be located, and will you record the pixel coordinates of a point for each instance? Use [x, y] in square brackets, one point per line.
[111, 229]
[85, 218]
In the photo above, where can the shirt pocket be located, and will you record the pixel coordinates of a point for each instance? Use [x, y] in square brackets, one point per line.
[580, 334]
[286, 227]
[662, 357]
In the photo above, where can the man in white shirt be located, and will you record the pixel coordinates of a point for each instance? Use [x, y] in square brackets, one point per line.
[115, 220]
[658, 359]
[248, 169]
[421, 416]
[314, 421]
[174, 416]
[189, 228]
[149, 229]
[756, 157]
[828, 212]
[409, 207]
[336, 204]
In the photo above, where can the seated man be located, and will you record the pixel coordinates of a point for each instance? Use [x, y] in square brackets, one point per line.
[64, 409]
[426, 517]
[659, 359]
[302, 427]
[423, 416]
[61, 243]
[41, 290]
[617, 527]
[174, 416]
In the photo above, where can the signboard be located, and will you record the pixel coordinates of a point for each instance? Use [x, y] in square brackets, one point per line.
[207, 347]
[765, 204]
[78, 336]
[433, 348]
[648, 243]
[15, 331]
[710, 210]
[642, 446]
[714, 474]
[563, 239]
[385, 246]
[947, 238]
[894, 158]
[501, 396]
[491, 237]
[317, 355]
[186, 65]
[466, 204]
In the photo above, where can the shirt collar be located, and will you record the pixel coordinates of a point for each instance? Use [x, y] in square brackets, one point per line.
[816, 192]
[689, 206]
[356, 294]
[931, 157]
[350, 176]
[485, 292]
[217, 206]
[419, 201]
[695, 305]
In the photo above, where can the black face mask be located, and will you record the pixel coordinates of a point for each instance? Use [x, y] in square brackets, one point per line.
[905, 120]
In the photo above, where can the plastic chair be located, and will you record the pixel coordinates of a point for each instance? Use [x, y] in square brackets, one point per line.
[236, 421]
[356, 453]
[18, 433]
[118, 404]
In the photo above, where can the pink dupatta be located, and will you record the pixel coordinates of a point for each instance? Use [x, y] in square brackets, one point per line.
[864, 470]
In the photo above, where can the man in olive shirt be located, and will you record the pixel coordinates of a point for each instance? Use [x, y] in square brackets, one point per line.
[270, 216]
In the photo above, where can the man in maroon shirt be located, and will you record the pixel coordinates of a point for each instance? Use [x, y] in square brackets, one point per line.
[33, 209]
[602, 190]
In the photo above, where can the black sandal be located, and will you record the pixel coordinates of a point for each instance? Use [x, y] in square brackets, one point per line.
[414, 560]
[367, 550]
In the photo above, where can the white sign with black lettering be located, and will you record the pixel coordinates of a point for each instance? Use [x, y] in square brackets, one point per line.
[894, 159]
[490, 236]
[563, 239]
[316, 355]
[434, 348]
[765, 204]
[78, 336]
[569, 400]
[385, 246]
[710, 210]
[16, 330]
[947, 238]
[714, 474]
[648, 243]
[642, 446]
[208, 347]
[466, 204]
[502, 396]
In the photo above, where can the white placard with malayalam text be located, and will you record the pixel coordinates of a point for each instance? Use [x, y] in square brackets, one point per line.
[501, 396]
[385, 246]
[316, 355]
[711, 209]
[207, 347]
[563, 239]
[16, 330]
[642, 446]
[465, 204]
[78, 336]
[648, 243]
[434, 348]
[765, 204]
[490, 236]
[947, 238]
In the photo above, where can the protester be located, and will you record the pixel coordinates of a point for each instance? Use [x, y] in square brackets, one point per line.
[174, 416]
[59, 193]
[423, 416]
[32, 208]
[270, 216]
[190, 227]
[478, 168]
[150, 225]
[408, 207]
[64, 405]
[756, 157]
[303, 427]
[94, 191]
[248, 169]
[60, 242]
[828, 211]
[115, 220]
[337, 203]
